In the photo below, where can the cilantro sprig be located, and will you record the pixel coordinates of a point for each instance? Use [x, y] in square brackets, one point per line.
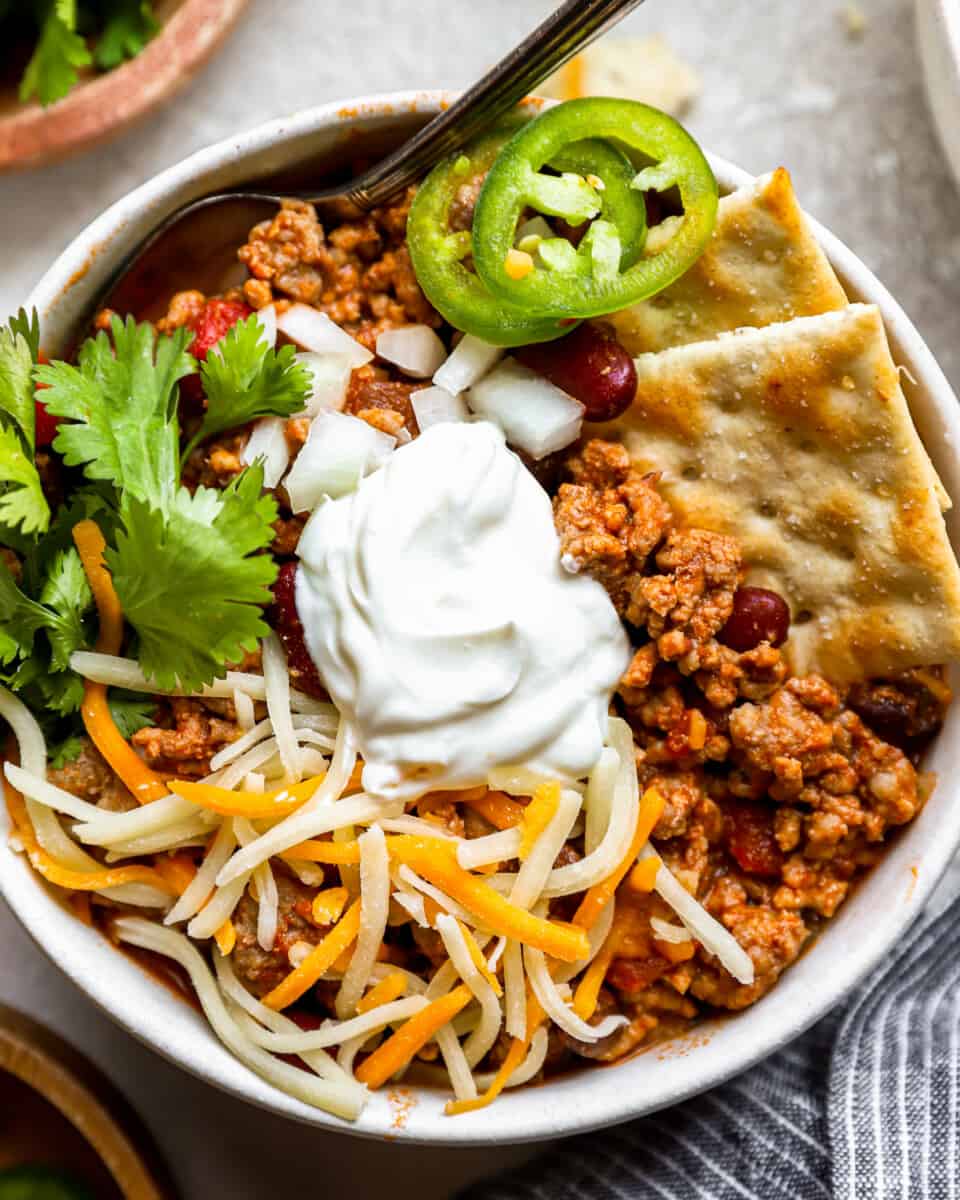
[244, 378]
[189, 567]
[69, 36]
[23, 506]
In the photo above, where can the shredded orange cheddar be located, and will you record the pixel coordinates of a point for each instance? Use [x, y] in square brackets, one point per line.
[651, 806]
[144, 784]
[588, 989]
[76, 881]
[333, 853]
[226, 938]
[515, 1056]
[537, 816]
[476, 954]
[392, 987]
[278, 803]
[413, 1035]
[435, 860]
[644, 875]
[177, 869]
[328, 905]
[320, 959]
[501, 810]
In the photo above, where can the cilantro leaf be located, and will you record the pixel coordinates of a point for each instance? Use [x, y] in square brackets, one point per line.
[20, 618]
[44, 691]
[52, 71]
[67, 593]
[190, 579]
[123, 399]
[131, 711]
[128, 26]
[23, 504]
[60, 753]
[245, 378]
[16, 386]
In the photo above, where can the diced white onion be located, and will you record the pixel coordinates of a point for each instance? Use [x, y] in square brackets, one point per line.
[433, 405]
[557, 1009]
[469, 361]
[269, 443]
[600, 863]
[534, 414]
[339, 451]
[315, 331]
[675, 935]
[415, 349]
[707, 931]
[374, 906]
[344, 1098]
[330, 375]
[267, 317]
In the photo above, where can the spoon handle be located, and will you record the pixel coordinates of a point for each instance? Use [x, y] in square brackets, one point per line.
[572, 26]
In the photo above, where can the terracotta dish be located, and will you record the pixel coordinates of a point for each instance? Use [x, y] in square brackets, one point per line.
[102, 105]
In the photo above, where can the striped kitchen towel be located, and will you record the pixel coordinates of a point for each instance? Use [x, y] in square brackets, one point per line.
[862, 1107]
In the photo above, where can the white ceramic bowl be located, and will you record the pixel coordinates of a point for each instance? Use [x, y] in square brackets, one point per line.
[865, 930]
[938, 37]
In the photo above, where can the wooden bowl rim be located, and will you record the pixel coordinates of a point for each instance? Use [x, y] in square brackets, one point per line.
[82, 1094]
[101, 107]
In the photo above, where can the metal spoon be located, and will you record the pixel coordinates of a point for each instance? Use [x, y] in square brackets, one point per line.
[574, 25]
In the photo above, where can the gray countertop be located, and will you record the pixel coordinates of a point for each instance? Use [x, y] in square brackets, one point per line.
[783, 83]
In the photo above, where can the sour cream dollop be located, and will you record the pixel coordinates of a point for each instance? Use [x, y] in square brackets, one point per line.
[437, 612]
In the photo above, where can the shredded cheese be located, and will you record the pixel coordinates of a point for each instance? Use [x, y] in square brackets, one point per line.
[537, 816]
[436, 861]
[328, 905]
[597, 898]
[320, 959]
[332, 853]
[392, 987]
[397, 1051]
[253, 805]
[643, 877]
[226, 938]
[501, 810]
[144, 784]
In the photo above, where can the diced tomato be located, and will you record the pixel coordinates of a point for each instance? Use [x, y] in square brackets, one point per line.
[751, 840]
[286, 621]
[632, 975]
[46, 423]
[214, 321]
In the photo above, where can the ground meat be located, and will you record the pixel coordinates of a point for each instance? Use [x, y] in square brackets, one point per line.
[773, 940]
[183, 308]
[89, 777]
[216, 463]
[370, 393]
[609, 518]
[186, 737]
[359, 273]
[286, 535]
[690, 601]
[261, 970]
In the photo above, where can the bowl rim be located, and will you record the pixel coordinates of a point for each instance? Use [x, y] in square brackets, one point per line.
[587, 1099]
[938, 36]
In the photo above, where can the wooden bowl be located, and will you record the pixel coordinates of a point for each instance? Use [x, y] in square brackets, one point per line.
[102, 105]
[59, 1111]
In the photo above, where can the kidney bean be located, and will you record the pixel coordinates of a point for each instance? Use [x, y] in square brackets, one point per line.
[590, 365]
[285, 619]
[759, 615]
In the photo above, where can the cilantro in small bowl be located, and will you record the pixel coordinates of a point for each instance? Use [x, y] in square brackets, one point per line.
[65, 36]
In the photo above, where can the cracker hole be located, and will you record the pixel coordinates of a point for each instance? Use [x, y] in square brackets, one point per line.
[767, 508]
[690, 472]
[803, 617]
